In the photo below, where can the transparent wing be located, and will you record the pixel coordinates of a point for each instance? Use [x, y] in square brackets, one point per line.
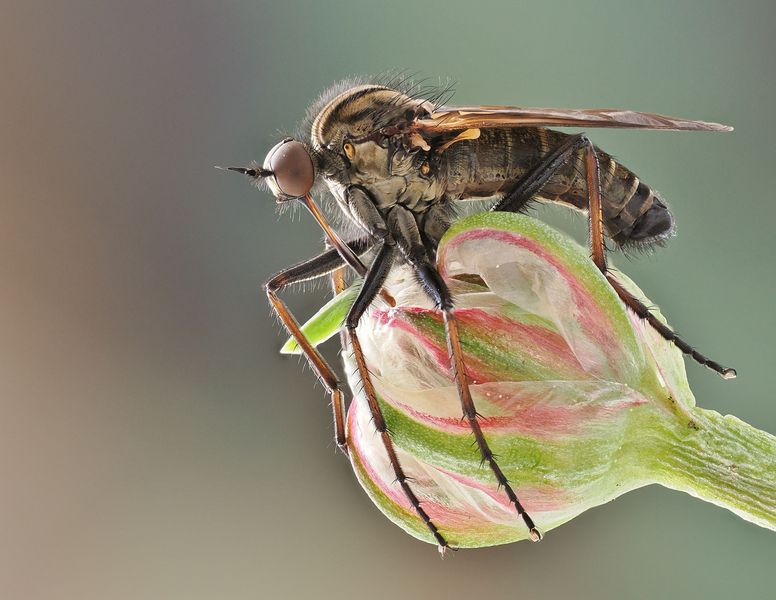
[453, 118]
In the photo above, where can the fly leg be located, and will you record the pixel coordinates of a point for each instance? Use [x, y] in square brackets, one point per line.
[403, 227]
[531, 184]
[337, 279]
[598, 254]
[315, 267]
[369, 218]
[643, 312]
[338, 284]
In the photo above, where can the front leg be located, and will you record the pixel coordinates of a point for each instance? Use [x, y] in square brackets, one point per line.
[318, 266]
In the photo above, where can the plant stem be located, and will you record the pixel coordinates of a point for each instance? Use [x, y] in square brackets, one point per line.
[722, 460]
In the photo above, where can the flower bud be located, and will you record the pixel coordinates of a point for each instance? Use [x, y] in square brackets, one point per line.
[579, 399]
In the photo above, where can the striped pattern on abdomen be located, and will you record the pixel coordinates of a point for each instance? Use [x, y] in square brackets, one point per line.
[490, 165]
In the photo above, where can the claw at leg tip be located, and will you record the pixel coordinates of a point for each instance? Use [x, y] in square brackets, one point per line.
[535, 535]
[729, 374]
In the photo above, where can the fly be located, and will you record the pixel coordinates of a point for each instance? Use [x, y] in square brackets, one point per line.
[397, 160]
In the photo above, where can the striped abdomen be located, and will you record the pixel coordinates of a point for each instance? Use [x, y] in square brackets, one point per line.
[491, 164]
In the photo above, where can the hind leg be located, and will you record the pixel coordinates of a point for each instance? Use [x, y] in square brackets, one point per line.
[531, 184]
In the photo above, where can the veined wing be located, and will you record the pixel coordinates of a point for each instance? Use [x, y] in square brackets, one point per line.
[454, 118]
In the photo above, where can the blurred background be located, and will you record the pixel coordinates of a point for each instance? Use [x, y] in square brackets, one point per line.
[153, 444]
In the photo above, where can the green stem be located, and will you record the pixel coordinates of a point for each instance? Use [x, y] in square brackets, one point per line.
[724, 461]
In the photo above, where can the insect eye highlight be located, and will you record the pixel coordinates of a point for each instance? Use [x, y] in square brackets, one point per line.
[349, 150]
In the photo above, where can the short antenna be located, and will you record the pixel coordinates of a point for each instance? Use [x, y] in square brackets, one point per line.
[249, 172]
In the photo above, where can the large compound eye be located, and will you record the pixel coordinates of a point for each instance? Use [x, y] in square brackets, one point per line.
[292, 168]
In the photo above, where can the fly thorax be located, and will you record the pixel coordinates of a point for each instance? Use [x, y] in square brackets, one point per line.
[369, 162]
[413, 191]
[363, 138]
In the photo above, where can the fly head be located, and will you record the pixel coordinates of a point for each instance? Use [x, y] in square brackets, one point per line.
[288, 170]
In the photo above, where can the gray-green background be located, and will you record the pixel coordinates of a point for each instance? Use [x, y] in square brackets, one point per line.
[152, 442]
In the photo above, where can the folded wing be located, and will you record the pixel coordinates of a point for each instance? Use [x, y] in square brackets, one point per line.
[453, 118]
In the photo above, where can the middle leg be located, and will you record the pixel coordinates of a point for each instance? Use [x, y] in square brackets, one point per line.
[403, 227]
[372, 221]
[373, 281]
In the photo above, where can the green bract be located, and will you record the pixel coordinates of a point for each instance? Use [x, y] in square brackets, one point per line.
[580, 400]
